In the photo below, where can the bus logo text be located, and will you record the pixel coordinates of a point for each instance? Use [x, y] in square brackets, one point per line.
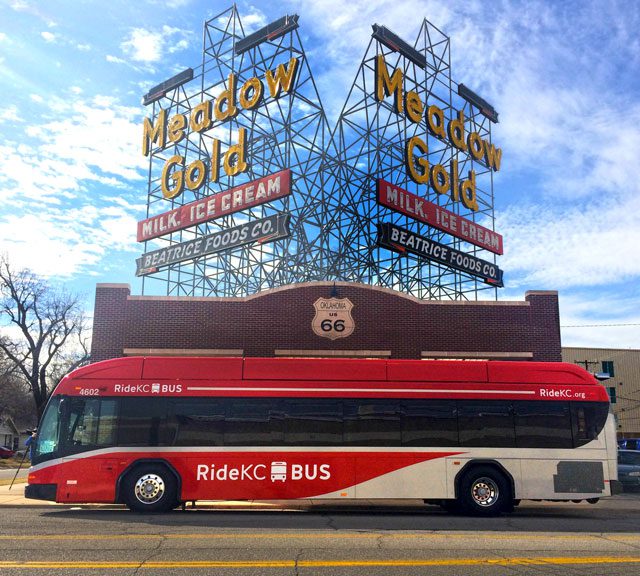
[277, 472]
[546, 393]
[155, 388]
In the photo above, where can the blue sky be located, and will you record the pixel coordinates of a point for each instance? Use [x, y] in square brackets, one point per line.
[564, 76]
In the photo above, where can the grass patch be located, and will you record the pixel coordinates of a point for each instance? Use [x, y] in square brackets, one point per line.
[7, 481]
[13, 462]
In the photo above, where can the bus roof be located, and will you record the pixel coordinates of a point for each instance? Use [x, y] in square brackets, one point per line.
[334, 369]
[333, 377]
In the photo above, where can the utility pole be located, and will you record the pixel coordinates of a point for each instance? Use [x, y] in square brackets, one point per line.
[587, 363]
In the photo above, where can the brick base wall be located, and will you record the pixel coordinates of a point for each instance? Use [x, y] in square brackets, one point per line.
[278, 322]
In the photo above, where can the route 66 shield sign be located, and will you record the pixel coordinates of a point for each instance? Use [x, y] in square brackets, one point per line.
[333, 318]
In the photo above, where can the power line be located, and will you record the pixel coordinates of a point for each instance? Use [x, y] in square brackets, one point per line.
[594, 325]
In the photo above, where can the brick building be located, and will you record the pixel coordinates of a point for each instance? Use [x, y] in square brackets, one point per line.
[295, 320]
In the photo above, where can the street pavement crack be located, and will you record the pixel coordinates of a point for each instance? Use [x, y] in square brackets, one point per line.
[153, 553]
[296, 560]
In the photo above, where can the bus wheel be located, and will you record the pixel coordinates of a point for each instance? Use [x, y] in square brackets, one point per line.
[150, 488]
[484, 492]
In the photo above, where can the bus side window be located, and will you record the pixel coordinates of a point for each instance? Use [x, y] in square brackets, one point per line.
[200, 422]
[372, 422]
[587, 420]
[542, 424]
[429, 423]
[91, 423]
[143, 422]
[312, 422]
[486, 423]
[254, 422]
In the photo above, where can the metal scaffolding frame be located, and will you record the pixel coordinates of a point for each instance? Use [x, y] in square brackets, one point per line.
[371, 139]
[333, 207]
[288, 132]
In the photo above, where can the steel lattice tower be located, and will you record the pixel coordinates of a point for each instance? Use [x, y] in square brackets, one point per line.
[371, 141]
[288, 132]
[333, 207]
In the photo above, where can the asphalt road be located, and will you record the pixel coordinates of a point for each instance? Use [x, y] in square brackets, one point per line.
[538, 539]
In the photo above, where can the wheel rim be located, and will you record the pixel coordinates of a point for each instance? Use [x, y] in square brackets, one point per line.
[485, 492]
[149, 489]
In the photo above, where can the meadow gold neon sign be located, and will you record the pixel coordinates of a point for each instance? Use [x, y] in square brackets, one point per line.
[164, 131]
[437, 176]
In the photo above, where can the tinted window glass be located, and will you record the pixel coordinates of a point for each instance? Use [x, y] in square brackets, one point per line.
[88, 423]
[485, 423]
[372, 422]
[543, 424]
[47, 441]
[429, 423]
[254, 422]
[313, 422]
[143, 422]
[587, 420]
[199, 422]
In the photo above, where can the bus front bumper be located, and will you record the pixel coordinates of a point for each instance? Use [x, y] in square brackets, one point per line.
[41, 491]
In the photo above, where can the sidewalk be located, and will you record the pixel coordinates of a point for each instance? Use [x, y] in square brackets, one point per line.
[15, 496]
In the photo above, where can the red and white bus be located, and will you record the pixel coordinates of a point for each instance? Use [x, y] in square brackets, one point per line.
[473, 436]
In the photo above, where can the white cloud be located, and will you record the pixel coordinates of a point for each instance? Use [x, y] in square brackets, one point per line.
[48, 37]
[10, 114]
[65, 243]
[253, 20]
[604, 321]
[143, 45]
[147, 46]
[586, 244]
[179, 46]
[33, 9]
[177, 3]
[114, 59]
[92, 141]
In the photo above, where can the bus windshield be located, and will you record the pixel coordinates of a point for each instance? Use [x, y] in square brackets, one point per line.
[47, 443]
[72, 425]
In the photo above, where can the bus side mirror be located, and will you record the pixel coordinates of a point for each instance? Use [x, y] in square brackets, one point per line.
[601, 376]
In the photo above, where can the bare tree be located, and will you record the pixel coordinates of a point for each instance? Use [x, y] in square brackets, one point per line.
[44, 330]
[15, 397]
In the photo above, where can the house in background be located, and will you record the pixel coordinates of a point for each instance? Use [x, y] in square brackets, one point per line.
[9, 434]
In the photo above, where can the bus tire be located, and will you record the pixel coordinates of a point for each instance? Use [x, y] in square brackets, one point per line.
[484, 491]
[150, 488]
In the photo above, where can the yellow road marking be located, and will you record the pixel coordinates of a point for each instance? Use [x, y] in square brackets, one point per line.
[427, 535]
[562, 560]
